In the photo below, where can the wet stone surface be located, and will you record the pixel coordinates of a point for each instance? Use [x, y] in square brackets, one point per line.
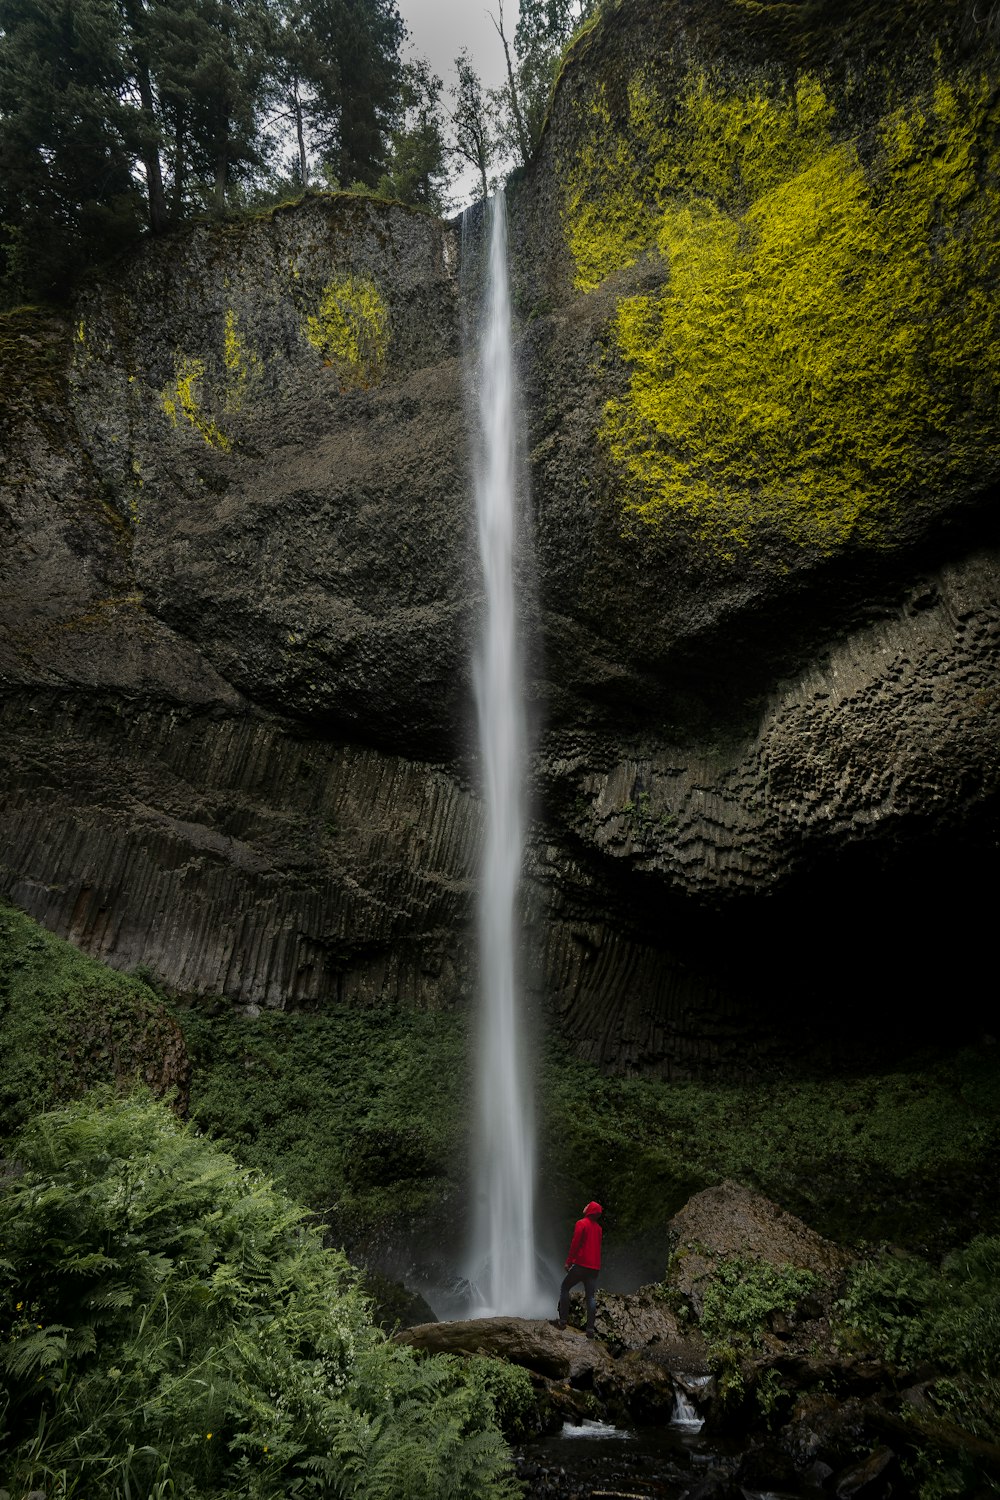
[593, 1461]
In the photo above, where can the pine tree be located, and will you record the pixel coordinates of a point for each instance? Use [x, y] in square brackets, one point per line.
[417, 150]
[69, 135]
[364, 37]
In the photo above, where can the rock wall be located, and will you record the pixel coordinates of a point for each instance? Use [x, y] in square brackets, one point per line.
[754, 266]
[236, 598]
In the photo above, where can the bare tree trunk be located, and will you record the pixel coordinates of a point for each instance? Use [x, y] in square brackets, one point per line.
[515, 104]
[178, 193]
[301, 138]
[221, 173]
[149, 146]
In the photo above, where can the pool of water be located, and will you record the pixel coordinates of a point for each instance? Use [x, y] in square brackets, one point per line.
[595, 1461]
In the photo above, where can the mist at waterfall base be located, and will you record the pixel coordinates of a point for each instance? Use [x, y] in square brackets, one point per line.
[502, 1273]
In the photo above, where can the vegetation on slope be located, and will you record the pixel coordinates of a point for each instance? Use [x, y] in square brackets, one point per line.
[364, 1115]
[907, 1154]
[128, 1238]
[172, 1325]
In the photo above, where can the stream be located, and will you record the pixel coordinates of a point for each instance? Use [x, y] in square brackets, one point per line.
[594, 1459]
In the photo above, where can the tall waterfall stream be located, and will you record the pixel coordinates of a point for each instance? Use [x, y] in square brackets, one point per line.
[504, 1266]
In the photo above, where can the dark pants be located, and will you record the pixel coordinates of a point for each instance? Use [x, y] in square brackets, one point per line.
[589, 1279]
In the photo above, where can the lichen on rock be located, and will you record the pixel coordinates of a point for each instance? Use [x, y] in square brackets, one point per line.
[183, 398]
[821, 352]
[351, 326]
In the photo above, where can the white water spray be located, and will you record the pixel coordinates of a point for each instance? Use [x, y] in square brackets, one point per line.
[504, 1253]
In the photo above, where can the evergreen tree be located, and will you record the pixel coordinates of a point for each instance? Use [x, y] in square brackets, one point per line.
[68, 137]
[543, 29]
[113, 112]
[216, 78]
[363, 37]
[308, 87]
[417, 150]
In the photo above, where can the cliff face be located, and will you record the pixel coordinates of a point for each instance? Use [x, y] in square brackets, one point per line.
[755, 266]
[237, 601]
[761, 408]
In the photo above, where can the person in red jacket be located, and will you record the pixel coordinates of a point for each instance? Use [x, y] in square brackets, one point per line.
[582, 1264]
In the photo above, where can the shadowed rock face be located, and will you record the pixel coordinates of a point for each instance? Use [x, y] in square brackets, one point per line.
[238, 588]
[236, 608]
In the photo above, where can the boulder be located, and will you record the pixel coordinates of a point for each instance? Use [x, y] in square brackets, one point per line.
[730, 1220]
[641, 1384]
[558, 1354]
[642, 1320]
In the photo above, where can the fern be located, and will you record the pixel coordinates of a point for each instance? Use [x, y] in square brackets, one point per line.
[152, 1285]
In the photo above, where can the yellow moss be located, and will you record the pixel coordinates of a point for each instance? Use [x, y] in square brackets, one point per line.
[609, 231]
[351, 326]
[81, 333]
[826, 350]
[181, 400]
[242, 365]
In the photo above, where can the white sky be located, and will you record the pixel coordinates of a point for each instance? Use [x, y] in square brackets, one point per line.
[438, 30]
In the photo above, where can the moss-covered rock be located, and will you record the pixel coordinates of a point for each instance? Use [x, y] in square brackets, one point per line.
[68, 1023]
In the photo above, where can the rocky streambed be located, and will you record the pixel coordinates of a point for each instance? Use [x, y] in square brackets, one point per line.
[738, 1375]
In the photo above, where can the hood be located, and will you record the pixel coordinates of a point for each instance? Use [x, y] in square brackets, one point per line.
[593, 1208]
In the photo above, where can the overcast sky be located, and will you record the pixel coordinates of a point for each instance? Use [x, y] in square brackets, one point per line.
[439, 29]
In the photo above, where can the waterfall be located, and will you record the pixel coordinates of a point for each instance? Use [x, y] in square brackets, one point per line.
[504, 1250]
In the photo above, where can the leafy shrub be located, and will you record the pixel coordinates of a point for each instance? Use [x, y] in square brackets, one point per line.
[172, 1325]
[510, 1393]
[744, 1293]
[737, 1303]
[912, 1313]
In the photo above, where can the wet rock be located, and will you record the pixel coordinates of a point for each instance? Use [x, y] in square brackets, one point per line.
[766, 1467]
[642, 1319]
[824, 1428]
[640, 1384]
[716, 1485]
[533, 1343]
[870, 1479]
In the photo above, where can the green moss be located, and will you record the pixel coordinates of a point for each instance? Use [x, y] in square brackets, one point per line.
[68, 1022]
[909, 1154]
[360, 1113]
[824, 356]
[608, 231]
[350, 328]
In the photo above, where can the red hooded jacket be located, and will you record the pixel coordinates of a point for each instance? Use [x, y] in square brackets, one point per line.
[585, 1246]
